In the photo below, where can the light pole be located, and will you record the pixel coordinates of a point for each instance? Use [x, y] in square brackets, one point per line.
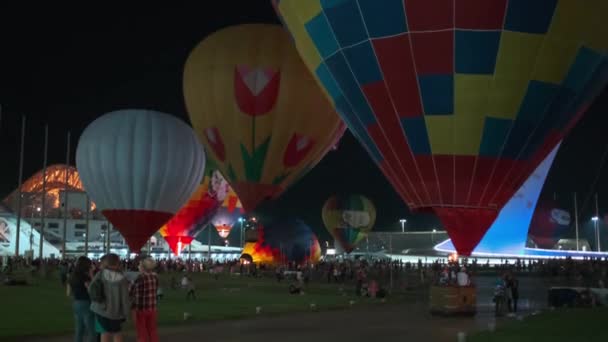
[595, 220]
[403, 225]
[241, 232]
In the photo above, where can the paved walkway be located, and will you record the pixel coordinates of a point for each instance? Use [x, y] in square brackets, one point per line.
[410, 322]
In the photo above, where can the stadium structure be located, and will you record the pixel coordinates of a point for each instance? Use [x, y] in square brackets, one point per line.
[64, 188]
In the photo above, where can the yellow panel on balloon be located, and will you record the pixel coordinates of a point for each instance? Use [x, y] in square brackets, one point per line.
[517, 55]
[440, 130]
[505, 97]
[574, 22]
[471, 95]
[305, 45]
[554, 60]
[305, 10]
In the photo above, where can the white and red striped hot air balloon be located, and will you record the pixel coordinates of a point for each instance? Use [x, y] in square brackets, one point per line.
[139, 167]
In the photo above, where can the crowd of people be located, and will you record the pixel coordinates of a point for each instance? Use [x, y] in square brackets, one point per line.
[108, 291]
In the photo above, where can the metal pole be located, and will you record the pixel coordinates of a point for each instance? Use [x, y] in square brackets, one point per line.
[43, 209]
[65, 202]
[242, 234]
[209, 242]
[597, 224]
[576, 220]
[86, 231]
[190, 251]
[108, 239]
[19, 194]
[390, 248]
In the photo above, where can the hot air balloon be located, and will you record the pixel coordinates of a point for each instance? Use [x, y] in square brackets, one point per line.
[258, 110]
[227, 214]
[457, 101]
[140, 167]
[283, 241]
[198, 211]
[549, 223]
[348, 219]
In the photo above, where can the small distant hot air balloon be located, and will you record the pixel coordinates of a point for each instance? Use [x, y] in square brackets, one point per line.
[549, 223]
[348, 219]
[457, 101]
[258, 110]
[198, 211]
[283, 241]
[140, 167]
[227, 214]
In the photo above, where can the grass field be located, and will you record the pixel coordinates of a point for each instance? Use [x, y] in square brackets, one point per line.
[43, 309]
[562, 325]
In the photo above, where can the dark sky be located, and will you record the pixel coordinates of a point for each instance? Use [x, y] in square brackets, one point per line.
[67, 66]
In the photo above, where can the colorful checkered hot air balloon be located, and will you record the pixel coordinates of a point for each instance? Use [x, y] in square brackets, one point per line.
[348, 219]
[192, 218]
[258, 110]
[139, 167]
[457, 101]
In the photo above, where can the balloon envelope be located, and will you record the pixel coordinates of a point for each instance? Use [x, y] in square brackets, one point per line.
[456, 101]
[549, 224]
[348, 219]
[227, 214]
[140, 167]
[282, 242]
[257, 109]
[198, 211]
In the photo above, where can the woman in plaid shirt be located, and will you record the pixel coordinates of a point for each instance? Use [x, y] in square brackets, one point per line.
[143, 295]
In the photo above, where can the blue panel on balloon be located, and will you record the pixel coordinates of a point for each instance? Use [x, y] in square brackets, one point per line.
[437, 94]
[583, 68]
[509, 233]
[328, 81]
[518, 136]
[537, 100]
[350, 88]
[385, 20]
[476, 51]
[562, 108]
[531, 16]
[319, 31]
[345, 20]
[495, 131]
[597, 84]
[417, 136]
[363, 63]
[357, 129]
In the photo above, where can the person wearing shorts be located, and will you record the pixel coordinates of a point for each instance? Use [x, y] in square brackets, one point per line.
[109, 292]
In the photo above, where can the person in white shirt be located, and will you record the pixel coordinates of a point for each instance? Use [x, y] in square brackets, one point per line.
[462, 278]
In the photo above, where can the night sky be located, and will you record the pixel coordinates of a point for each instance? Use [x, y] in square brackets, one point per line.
[67, 66]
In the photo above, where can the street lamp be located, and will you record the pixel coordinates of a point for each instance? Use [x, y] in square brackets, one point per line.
[241, 222]
[403, 225]
[596, 220]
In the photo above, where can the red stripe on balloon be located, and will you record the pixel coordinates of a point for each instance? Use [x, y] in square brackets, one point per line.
[136, 225]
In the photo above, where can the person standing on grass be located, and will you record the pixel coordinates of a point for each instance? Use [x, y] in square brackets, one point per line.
[78, 283]
[143, 292]
[109, 292]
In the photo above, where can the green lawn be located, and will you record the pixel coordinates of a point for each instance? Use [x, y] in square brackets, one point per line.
[43, 308]
[557, 326]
